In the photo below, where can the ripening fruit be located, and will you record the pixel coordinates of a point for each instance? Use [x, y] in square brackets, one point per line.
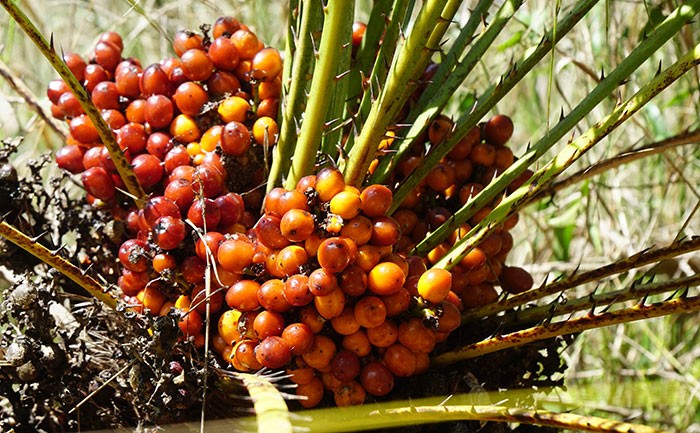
[265, 131]
[329, 182]
[169, 232]
[386, 278]
[358, 32]
[346, 204]
[243, 295]
[70, 158]
[311, 393]
[273, 352]
[236, 254]
[299, 337]
[376, 200]
[515, 280]
[184, 129]
[196, 64]
[224, 54]
[370, 311]
[321, 352]
[434, 285]
[235, 139]
[190, 97]
[98, 183]
[377, 379]
[266, 64]
[334, 254]
[297, 225]
[498, 129]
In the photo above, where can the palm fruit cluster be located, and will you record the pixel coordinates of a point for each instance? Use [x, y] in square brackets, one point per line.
[473, 163]
[478, 158]
[319, 282]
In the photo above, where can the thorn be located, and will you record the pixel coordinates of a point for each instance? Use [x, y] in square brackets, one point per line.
[643, 301]
[51, 47]
[561, 114]
[57, 250]
[608, 307]
[602, 74]
[37, 237]
[497, 332]
[658, 70]
[86, 270]
[550, 315]
[341, 75]
[594, 305]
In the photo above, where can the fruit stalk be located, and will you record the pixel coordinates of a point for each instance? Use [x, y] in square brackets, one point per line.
[560, 308]
[62, 265]
[294, 88]
[452, 71]
[570, 154]
[441, 413]
[408, 64]
[373, 65]
[642, 52]
[640, 259]
[571, 326]
[122, 165]
[337, 14]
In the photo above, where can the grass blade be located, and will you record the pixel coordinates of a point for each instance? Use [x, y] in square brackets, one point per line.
[22, 90]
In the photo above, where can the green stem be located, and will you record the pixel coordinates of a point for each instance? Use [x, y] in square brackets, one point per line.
[408, 64]
[642, 258]
[453, 70]
[641, 53]
[331, 141]
[568, 306]
[298, 67]
[487, 101]
[376, 78]
[123, 167]
[338, 13]
[570, 154]
[571, 326]
[485, 413]
[375, 37]
[682, 139]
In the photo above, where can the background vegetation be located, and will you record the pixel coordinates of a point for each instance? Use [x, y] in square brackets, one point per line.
[648, 372]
